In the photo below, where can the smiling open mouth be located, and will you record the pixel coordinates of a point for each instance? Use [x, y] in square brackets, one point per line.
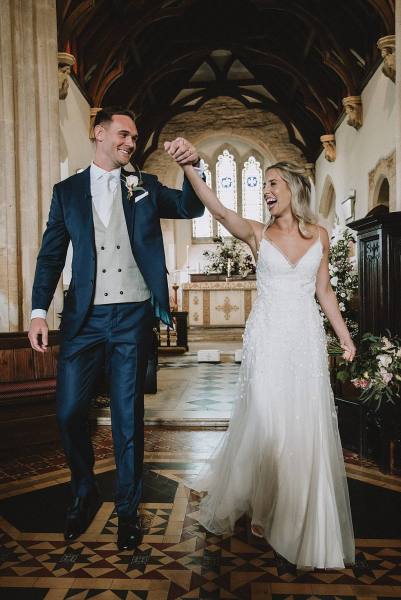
[271, 202]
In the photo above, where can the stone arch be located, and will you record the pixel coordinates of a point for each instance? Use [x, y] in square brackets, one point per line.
[382, 183]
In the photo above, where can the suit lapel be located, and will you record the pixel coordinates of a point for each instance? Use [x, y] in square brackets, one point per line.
[86, 204]
[129, 209]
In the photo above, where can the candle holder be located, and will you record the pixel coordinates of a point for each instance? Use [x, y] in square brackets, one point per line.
[175, 287]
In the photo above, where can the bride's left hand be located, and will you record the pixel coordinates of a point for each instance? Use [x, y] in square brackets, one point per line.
[349, 349]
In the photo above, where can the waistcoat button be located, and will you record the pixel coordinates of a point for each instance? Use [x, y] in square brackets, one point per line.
[118, 247]
[121, 292]
[119, 270]
[103, 270]
[106, 294]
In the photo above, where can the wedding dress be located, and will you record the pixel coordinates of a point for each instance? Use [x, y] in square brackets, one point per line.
[281, 460]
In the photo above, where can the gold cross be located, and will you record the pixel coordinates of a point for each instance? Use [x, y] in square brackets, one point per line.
[227, 308]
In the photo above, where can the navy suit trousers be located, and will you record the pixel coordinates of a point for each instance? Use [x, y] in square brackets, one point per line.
[115, 337]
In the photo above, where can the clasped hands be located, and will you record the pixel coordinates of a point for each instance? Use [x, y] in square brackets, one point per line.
[182, 151]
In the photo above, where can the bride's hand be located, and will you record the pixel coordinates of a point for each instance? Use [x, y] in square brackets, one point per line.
[349, 349]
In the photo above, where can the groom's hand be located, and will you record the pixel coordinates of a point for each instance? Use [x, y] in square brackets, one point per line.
[38, 334]
[182, 151]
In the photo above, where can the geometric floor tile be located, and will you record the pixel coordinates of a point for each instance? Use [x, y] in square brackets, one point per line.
[179, 559]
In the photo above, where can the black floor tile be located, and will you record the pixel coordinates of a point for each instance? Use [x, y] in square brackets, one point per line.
[17, 593]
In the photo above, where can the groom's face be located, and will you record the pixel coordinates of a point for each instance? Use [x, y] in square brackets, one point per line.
[117, 139]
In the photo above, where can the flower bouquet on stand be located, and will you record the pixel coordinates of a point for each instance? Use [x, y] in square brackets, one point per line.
[376, 371]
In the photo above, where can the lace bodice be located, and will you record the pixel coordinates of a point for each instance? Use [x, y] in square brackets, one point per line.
[277, 276]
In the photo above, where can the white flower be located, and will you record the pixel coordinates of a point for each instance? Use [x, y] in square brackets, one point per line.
[343, 295]
[386, 343]
[334, 281]
[384, 360]
[385, 375]
[341, 306]
[399, 352]
[132, 181]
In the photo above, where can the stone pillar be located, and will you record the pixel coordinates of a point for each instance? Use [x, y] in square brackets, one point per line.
[29, 150]
[397, 206]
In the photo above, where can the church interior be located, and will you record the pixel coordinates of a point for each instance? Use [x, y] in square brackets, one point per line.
[249, 83]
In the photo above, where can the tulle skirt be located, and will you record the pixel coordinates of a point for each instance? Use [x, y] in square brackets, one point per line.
[281, 460]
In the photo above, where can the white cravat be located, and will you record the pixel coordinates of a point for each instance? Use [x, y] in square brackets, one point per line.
[103, 190]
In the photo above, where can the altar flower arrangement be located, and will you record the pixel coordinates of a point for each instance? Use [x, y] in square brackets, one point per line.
[344, 281]
[229, 257]
[376, 370]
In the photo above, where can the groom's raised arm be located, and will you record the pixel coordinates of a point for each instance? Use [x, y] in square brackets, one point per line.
[177, 204]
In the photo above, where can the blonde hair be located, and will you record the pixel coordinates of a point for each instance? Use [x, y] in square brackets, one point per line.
[300, 189]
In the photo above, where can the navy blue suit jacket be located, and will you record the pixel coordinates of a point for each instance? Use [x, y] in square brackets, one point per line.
[71, 218]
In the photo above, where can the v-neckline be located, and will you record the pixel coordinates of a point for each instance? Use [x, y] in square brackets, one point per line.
[284, 255]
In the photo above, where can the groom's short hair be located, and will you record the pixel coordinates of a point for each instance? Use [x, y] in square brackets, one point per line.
[106, 114]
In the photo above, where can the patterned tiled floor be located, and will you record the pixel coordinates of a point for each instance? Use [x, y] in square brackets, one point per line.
[177, 557]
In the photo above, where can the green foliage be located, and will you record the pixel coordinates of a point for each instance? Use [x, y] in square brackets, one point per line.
[344, 281]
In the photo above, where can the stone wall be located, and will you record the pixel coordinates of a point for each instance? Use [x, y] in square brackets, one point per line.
[29, 150]
[224, 118]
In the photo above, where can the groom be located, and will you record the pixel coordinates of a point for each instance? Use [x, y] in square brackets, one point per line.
[118, 283]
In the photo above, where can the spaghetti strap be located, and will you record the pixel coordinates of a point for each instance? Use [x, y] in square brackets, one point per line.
[263, 234]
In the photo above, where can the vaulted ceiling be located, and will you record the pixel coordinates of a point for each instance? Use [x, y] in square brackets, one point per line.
[294, 58]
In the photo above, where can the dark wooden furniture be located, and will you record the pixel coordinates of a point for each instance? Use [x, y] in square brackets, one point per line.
[27, 391]
[379, 268]
[378, 435]
[174, 341]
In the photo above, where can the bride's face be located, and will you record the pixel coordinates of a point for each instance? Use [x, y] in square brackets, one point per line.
[276, 193]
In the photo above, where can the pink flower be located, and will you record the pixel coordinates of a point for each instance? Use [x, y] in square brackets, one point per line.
[360, 383]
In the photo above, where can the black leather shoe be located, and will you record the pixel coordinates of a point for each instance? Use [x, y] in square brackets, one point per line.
[129, 532]
[80, 515]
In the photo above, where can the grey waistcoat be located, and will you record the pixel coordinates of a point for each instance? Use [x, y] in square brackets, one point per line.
[118, 278]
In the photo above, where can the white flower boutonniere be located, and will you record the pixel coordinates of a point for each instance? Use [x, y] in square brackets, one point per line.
[133, 184]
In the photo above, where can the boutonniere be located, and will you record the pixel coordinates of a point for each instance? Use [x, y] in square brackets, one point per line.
[133, 183]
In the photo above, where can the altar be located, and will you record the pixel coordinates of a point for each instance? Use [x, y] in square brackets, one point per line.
[218, 303]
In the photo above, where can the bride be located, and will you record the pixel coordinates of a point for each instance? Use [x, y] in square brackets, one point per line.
[281, 460]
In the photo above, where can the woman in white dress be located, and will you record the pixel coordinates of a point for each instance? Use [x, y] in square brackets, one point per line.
[281, 459]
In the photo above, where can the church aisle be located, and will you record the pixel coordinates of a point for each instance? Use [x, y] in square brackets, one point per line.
[177, 558]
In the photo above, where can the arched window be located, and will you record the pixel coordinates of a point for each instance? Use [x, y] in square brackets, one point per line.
[252, 203]
[202, 227]
[226, 185]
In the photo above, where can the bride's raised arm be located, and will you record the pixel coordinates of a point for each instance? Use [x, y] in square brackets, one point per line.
[244, 229]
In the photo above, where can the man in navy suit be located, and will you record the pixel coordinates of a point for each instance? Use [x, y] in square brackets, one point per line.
[118, 284]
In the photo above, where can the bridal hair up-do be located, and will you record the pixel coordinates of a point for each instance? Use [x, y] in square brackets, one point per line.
[300, 190]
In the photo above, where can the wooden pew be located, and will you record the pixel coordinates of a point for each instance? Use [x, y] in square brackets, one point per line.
[27, 390]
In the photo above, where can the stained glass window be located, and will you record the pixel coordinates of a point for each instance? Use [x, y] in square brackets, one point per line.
[226, 185]
[202, 227]
[252, 199]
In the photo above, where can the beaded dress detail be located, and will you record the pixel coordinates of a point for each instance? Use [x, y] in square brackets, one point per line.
[281, 460]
